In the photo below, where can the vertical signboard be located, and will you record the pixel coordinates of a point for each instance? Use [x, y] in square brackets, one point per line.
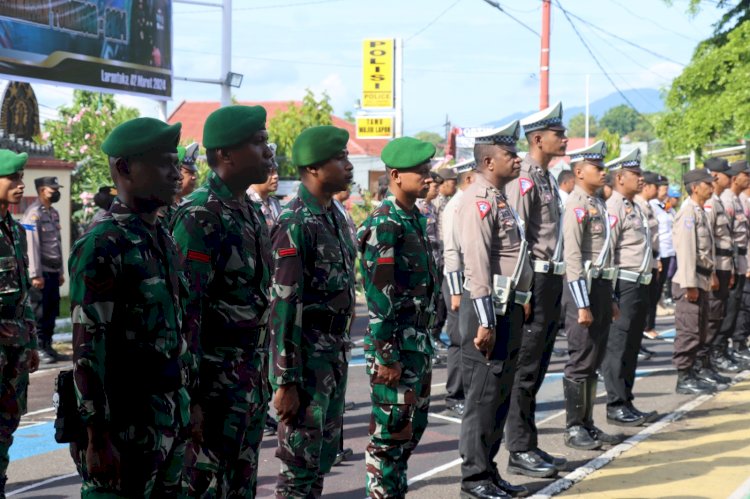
[378, 79]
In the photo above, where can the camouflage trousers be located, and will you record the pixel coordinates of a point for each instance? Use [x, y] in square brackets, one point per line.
[233, 395]
[14, 381]
[151, 461]
[398, 420]
[308, 447]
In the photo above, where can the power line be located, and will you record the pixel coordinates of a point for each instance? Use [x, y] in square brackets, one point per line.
[501, 9]
[434, 20]
[644, 18]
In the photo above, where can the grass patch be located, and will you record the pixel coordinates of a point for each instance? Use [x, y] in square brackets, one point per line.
[64, 306]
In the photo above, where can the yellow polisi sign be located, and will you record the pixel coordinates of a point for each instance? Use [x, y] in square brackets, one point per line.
[378, 74]
[374, 127]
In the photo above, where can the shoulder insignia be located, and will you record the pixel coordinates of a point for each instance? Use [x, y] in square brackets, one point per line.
[689, 222]
[526, 185]
[287, 252]
[580, 214]
[31, 227]
[34, 217]
[197, 256]
[484, 208]
[612, 221]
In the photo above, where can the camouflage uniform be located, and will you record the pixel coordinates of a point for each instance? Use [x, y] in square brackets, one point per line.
[228, 260]
[126, 298]
[313, 302]
[401, 286]
[17, 331]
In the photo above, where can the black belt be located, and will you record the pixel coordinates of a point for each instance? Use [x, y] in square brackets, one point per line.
[704, 271]
[742, 251]
[326, 322]
[723, 252]
[9, 312]
[245, 338]
[420, 319]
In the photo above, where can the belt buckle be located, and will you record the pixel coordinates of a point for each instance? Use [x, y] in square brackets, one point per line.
[558, 268]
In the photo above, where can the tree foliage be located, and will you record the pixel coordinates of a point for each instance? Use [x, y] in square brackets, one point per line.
[577, 126]
[737, 12]
[286, 125]
[433, 138]
[613, 143]
[79, 132]
[620, 119]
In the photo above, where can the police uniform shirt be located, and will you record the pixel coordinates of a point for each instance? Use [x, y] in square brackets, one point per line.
[719, 223]
[43, 236]
[653, 228]
[453, 266]
[534, 195]
[694, 246]
[490, 228]
[585, 222]
[630, 237]
[739, 227]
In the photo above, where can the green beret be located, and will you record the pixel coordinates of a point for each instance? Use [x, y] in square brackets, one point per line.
[318, 144]
[180, 153]
[11, 162]
[140, 135]
[230, 125]
[406, 152]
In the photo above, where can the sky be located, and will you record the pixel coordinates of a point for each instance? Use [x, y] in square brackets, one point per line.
[463, 59]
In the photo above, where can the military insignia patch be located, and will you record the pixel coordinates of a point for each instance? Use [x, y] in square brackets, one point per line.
[197, 256]
[526, 185]
[484, 208]
[386, 260]
[612, 221]
[288, 252]
[580, 214]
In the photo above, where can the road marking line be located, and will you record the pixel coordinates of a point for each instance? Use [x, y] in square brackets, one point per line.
[41, 484]
[743, 492]
[40, 411]
[435, 471]
[447, 418]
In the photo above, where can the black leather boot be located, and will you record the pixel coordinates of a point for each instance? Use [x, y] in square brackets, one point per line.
[689, 384]
[704, 373]
[588, 422]
[576, 435]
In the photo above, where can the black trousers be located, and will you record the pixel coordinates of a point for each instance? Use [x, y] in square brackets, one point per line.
[537, 342]
[487, 384]
[624, 342]
[730, 322]
[586, 345]
[691, 323]
[454, 384]
[46, 305]
[717, 301]
[742, 329]
[654, 293]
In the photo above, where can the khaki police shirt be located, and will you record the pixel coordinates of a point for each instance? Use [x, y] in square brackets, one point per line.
[453, 266]
[694, 245]
[630, 236]
[534, 195]
[720, 227]
[584, 233]
[492, 239]
[653, 228]
[739, 226]
[44, 239]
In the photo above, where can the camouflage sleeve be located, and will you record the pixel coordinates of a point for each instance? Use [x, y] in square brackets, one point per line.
[93, 267]
[197, 233]
[286, 301]
[377, 259]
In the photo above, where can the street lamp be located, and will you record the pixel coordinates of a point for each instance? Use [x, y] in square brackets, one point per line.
[233, 80]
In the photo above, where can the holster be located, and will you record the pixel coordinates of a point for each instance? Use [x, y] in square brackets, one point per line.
[68, 425]
[502, 287]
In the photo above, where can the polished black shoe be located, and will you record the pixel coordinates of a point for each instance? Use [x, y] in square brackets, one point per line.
[348, 406]
[577, 437]
[726, 365]
[271, 426]
[530, 464]
[622, 416]
[488, 491]
[557, 462]
[46, 359]
[688, 384]
[644, 354]
[650, 416]
[342, 456]
[510, 489]
[707, 376]
[741, 353]
[457, 409]
[647, 351]
[604, 437]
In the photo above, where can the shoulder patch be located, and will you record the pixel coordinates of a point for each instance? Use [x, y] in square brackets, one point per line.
[612, 221]
[580, 214]
[34, 217]
[386, 260]
[287, 252]
[484, 208]
[197, 256]
[30, 227]
[526, 185]
[689, 222]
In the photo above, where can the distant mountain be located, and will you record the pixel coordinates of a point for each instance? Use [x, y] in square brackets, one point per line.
[645, 100]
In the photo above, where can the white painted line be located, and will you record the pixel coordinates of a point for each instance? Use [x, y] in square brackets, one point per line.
[40, 411]
[41, 484]
[31, 425]
[446, 418]
[435, 471]
[435, 385]
[743, 492]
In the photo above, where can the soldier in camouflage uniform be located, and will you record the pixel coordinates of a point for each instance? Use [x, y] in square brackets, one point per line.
[311, 312]
[18, 355]
[401, 286]
[127, 293]
[227, 253]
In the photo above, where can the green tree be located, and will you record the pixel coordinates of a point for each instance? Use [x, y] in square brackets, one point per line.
[433, 138]
[613, 143]
[577, 126]
[286, 125]
[78, 134]
[736, 13]
[620, 119]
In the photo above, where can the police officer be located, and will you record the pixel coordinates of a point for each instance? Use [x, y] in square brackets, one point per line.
[720, 224]
[535, 196]
[16, 315]
[103, 200]
[261, 194]
[311, 312]
[446, 192]
[187, 157]
[127, 295]
[498, 280]
[739, 354]
[401, 284]
[453, 287]
[227, 251]
[589, 272]
[694, 245]
[42, 224]
[633, 256]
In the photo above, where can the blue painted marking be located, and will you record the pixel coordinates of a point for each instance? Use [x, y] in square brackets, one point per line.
[34, 440]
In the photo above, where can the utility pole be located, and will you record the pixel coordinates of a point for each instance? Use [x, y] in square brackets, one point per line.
[226, 51]
[544, 66]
